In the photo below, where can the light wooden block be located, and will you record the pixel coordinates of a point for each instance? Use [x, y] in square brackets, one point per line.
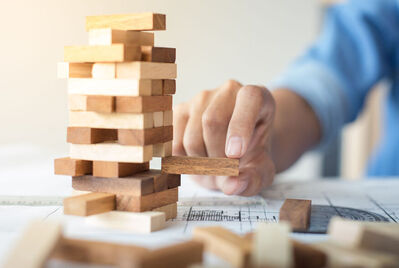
[162, 149]
[297, 213]
[35, 245]
[111, 87]
[109, 151]
[86, 135]
[147, 202]
[200, 165]
[136, 22]
[158, 54]
[144, 222]
[158, 119]
[143, 104]
[111, 120]
[89, 204]
[145, 136]
[100, 104]
[117, 169]
[146, 70]
[72, 167]
[108, 36]
[168, 87]
[168, 118]
[156, 87]
[77, 102]
[225, 244]
[169, 210]
[74, 70]
[111, 53]
[103, 71]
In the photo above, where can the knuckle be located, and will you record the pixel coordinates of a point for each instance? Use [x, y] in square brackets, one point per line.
[210, 121]
[191, 144]
[231, 83]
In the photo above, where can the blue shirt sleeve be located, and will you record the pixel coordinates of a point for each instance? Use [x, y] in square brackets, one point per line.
[354, 51]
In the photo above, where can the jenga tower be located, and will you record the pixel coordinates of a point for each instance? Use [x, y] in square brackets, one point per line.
[120, 90]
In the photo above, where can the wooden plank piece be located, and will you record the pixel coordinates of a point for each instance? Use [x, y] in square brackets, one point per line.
[109, 169]
[146, 70]
[297, 213]
[111, 53]
[145, 136]
[102, 70]
[72, 167]
[86, 135]
[174, 181]
[158, 54]
[168, 118]
[136, 22]
[108, 36]
[100, 104]
[168, 86]
[89, 204]
[162, 149]
[169, 210]
[200, 165]
[74, 70]
[143, 104]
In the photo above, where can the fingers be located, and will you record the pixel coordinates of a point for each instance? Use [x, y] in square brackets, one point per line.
[180, 118]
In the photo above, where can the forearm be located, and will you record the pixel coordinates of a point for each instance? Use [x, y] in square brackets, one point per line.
[296, 128]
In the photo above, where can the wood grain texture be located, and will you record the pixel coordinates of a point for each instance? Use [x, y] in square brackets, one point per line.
[143, 104]
[146, 70]
[145, 136]
[168, 86]
[297, 213]
[111, 53]
[174, 180]
[108, 36]
[72, 167]
[200, 165]
[86, 135]
[147, 202]
[169, 210]
[100, 104]
[162, 149]
[89, 204]
[158, 54]
[136, 22]
[74, 70]
[168, 118]
[116, 169]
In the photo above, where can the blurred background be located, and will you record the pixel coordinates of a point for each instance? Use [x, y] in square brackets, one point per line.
[251, 41]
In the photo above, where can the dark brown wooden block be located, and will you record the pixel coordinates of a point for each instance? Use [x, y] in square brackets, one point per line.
[72, 167]
[144, 104]
[156, 87]
[297, 213]
[158, 54]
[147, 136]
[168, 87]
[100, 104]
[200, 165]
[173, 180]
[86, 135]
[146, 202]
[306, 256]
[117, 169]
[89, 204]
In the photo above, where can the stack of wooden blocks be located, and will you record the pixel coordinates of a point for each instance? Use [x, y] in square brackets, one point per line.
[120, 90]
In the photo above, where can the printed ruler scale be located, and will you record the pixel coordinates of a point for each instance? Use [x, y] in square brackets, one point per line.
[31, 200]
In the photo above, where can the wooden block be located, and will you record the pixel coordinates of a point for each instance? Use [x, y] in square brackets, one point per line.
[144, 222]
[72, 167]
[168, 118]
[100, 104]
[144, 104]
[173, 181]
[117, 170]
[169, 210]
[307, 256]
[200, 165]
[168, 87]
[224, 244]
[158, 119]
[109, 151]
[145, 136]
[103, 71]
[89, 204]
[74, 70]
[86, 135]
[77, 102]
[158, 54]
[156, 87]
[297, 213]
[136, 22]
[146, 70]
[111, 87]
[111, 120]
[111, 53]
[147, 202]
[35, 246]
[162, 149]
[108, 36]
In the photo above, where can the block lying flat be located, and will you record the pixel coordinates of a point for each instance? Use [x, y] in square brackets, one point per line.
[72, 167]
[168, 87]
[77, 102]
[100, 104]
[111, 53]
[116, 169]
[109, 151]
[146, 70]
[136, 22]
[146, 202]
[158, 119]
[200, 165]
[162, 149]
[108, 36]
[145, 136]
[86, 135]
[144, 222]
[35, 246]
[102, 70]
[168, 118]
[143, 104]
[158, 54]
[74, 70]
[89, 204]
[174, 180]
[297, 213]
[169, 210]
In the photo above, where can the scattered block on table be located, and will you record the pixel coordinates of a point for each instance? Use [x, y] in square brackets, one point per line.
[111, 87]
[225, 244]
[200, 165]
[89, 204]
[111, 53]
[272, 246]
[145, 104]
[108, 36]
[376, 236]
[162, 149]
[158, 54]
[144, 222]
[77, 102]
[147, 202]
[168, 87]
[111, 120]
[136, 22]
[100, 104]
[168, 118]
[72, 167]
[297, 213]
[102, 70]
[169, 210]
[35, 246]
[86, 135]
[145, 136]
[116, 169]
[174, 180]
[74, 70]
[146, 70]
[94, 252]
[110, 151]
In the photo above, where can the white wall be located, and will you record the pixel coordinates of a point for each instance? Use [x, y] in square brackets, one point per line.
[251, 41]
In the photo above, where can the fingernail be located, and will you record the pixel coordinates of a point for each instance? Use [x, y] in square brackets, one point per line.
[234, 147]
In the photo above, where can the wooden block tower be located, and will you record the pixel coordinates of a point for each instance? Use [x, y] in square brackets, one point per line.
[120, 90]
